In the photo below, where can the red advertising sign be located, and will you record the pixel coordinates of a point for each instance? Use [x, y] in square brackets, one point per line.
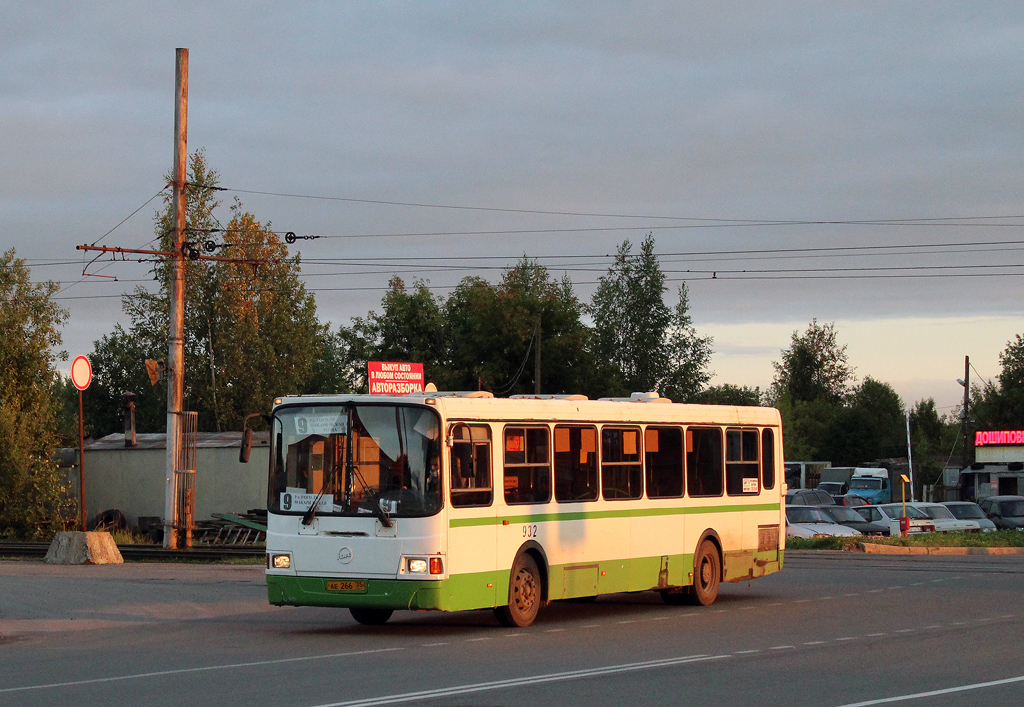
[984, 438]
[389, 378]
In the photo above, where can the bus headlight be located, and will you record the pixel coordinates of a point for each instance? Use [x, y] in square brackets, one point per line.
[417, 566]
[281, 562]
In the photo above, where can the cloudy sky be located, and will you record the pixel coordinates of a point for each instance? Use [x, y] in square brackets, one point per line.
[858, 163]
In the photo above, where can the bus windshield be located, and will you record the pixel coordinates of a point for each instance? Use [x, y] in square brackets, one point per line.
[347, 459]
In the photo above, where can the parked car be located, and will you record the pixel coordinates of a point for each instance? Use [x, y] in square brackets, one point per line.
[852, 519]
[811, 522]
[945, 521]
[1005, 511]
[890, 513]
[808, 497]
[852, 499]
[835, 489]
[965, 510]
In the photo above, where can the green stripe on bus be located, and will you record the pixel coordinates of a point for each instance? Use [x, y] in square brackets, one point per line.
[624, 513]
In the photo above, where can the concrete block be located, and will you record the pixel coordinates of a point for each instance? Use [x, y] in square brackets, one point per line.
[77, 548]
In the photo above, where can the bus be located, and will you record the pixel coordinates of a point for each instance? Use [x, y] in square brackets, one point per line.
[456, 501]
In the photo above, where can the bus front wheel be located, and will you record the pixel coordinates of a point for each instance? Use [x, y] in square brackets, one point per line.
[371, 617]
[524, 594]
[707, 572]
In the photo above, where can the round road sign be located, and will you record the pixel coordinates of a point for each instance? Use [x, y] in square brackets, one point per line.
[81, 372]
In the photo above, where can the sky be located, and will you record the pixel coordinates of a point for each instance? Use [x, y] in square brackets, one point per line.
[856, 163]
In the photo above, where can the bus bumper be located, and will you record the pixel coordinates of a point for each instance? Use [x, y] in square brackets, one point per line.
[380, 593]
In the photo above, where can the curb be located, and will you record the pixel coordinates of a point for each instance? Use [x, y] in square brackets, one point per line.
[875, 549]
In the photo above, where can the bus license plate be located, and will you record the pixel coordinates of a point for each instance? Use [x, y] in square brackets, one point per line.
[346, 585]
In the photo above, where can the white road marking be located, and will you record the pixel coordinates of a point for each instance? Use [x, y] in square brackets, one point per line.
[847, 638]
[484, 638]
[518, 682]
[813, 643]
[432, 645]
[208, 668]
[935, 693]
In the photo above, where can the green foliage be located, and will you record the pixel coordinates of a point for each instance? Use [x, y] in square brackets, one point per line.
[825, 417]
[631, 318]
[33, 491]
[1000, 405]
[251, 330]
[728, 394]
[483, 336]
[813, 367]
[933, 439]
[640, 342]
[1000, 538]
[871, 425]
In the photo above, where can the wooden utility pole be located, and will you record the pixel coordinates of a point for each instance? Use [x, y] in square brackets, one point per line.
[176, 333]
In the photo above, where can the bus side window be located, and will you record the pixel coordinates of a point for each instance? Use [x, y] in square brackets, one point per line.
[621, 468]
[704, 461]
[741, 467]
[575, 463]
[527, 465]
[663, 448]
[471, 466]
[767, 459]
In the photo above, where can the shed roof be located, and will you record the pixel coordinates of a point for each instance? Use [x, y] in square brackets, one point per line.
[158, 440]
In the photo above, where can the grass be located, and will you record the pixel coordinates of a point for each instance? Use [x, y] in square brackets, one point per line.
[128, 537]
[1000, 538]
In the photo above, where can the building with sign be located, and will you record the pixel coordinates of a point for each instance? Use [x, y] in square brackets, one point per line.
[998, 469]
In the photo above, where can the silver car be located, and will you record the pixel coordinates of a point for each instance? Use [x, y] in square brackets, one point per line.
[811, 522]
[945, 521]
[965, 510]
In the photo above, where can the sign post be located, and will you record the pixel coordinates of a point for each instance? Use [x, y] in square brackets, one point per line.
[392, 378]
[81, 376]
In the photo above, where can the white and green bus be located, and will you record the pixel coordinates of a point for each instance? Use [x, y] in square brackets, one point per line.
[454, 501]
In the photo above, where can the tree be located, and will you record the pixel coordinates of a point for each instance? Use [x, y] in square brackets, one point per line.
[870, 426]
[409, 328]
[728, 394]
[933, 439]
[251, 331]
[483, 336]
[688, 355]
[33, 492]
[1001, 405]
[813, 367]
[640, 341]
[631, 318]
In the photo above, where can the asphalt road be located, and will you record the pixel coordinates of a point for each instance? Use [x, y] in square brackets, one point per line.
[829, 630]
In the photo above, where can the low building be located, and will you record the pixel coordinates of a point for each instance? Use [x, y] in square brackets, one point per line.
[998, 469]
[132, 479]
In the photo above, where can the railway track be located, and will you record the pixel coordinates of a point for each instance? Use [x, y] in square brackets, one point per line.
[146, 553]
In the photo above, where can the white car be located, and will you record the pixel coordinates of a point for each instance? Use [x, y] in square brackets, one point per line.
[890, 514]
[945, 521]
[811, 522]
[965, 510]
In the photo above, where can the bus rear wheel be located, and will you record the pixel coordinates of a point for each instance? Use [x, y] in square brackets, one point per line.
[524, 594]
[371, 617]
[707, 573]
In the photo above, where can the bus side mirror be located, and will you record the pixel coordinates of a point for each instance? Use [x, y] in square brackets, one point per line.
[243, 453]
